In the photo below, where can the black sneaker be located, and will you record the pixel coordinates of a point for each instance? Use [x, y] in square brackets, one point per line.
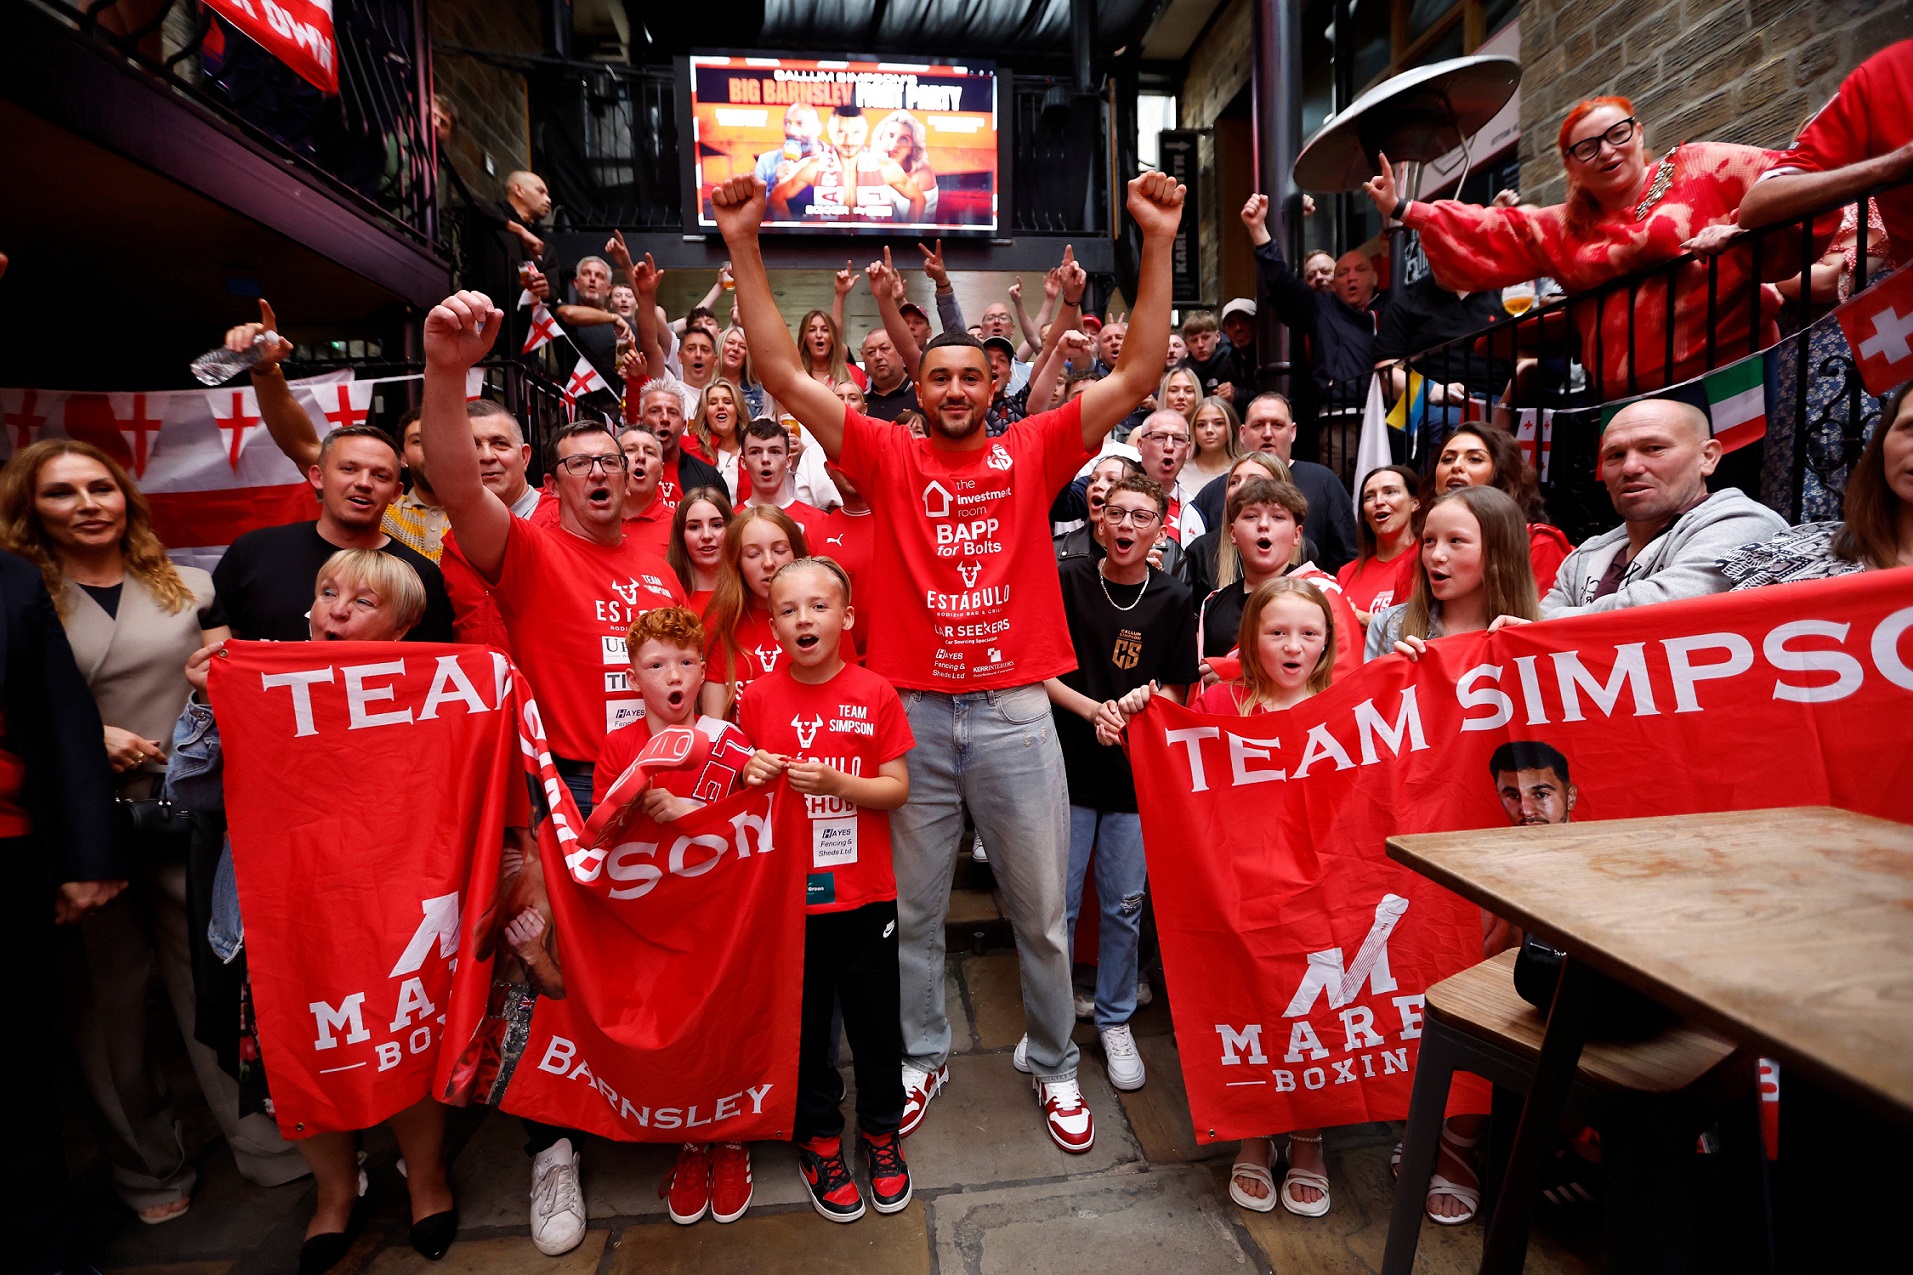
[833, 1192]
[889, 1175]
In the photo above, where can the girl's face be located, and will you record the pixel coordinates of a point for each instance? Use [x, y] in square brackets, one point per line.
[817, 339]
[764, 549]
[704, 534]
[1387, 505]
[735, 349]
[79, 504]
[809, 615]
[720, 413]
[1451, 551]
[1101, 479]
[1181, 393]
[1264, 537]
[1289, 640]
[1211, 429]
[1464, 462]
[1241, 472]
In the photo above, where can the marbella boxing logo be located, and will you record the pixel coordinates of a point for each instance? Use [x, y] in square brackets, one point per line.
[414, 1014]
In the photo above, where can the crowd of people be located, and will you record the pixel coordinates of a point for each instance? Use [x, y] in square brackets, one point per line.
[994, 544]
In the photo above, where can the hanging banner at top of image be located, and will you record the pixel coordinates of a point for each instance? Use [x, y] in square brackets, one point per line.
[297, 32]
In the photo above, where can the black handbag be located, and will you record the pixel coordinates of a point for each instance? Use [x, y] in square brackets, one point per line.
[153, 825]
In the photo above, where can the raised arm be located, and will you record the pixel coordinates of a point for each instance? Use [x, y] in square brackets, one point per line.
[845, 280]
[1071, 280]
[739, 206]
[291, 429]
[1791, 196]
[885, 285]
[1469, 248]
[1155, 202]
[949, 312]
[458, 332]
[645, 278]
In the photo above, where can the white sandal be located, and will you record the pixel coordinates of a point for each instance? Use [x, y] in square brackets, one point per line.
[1255, 1173]
[1470, 1196]
[1295, 1177]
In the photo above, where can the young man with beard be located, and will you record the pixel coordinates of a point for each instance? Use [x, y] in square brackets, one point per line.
[969, 624]
[568, 595]
[265, 578]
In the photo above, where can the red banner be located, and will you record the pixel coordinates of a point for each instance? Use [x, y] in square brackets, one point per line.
[369, 790]
[297, 32]
[1298, 953]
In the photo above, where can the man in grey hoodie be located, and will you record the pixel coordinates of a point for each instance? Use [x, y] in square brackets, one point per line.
[1656, 455]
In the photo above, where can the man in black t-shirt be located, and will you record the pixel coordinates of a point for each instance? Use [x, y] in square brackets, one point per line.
[1132, 626]
[1424, 315]
[890, 390]
[267, 577]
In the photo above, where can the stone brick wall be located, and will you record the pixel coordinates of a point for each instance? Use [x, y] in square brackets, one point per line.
[494, 120]
[1747, 71]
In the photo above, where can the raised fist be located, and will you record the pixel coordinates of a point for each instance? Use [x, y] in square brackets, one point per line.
[739, 206]
[460, 330]
[1155, 202]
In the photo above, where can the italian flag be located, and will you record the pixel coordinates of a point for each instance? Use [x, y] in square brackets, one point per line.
[1737, 402]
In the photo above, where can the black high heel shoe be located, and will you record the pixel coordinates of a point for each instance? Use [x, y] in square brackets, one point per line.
[320, 1253]
[432, 1236]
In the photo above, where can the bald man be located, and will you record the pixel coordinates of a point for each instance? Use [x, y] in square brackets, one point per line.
[1337, 322]
[1655, 458]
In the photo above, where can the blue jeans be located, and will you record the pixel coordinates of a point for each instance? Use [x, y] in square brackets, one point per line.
[994, 752]
[1121, 877]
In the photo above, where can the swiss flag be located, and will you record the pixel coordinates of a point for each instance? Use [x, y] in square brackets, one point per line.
[1879, 328]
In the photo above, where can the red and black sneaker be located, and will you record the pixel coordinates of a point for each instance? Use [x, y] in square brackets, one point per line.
[833, 1192]
[730, 1181]
[889, 1175]
[687, 1191]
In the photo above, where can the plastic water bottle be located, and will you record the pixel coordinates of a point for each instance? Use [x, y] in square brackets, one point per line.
[220, 364]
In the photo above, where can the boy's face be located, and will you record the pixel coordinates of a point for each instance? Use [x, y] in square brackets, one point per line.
[766, 460]
[1202, 345]
[809, 614]
[668, 677]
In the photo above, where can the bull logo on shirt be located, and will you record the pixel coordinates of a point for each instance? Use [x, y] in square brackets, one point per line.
[999, 458]
[629, 591]
[1128, 651]
[767, 656]
[970, 571]
[807, 730]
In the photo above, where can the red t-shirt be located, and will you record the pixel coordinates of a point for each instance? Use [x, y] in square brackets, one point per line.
[475, 617]
[850, 539]
[810, 518]
[1871, 115]
[567, 603]
[700, 601]
[1224, 698]
[1548, 548]
[854, 722]
[716, 779]
[965, 570]
[1370, 583]
[759, 655]
[670, 489]
[652, 528]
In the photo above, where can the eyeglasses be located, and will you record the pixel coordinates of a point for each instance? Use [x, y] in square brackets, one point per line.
[1129, 517]
[1616, 136]
[1167, 440]
[579, 466]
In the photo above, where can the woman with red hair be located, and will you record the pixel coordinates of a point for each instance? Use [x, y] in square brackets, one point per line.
[1623, 214]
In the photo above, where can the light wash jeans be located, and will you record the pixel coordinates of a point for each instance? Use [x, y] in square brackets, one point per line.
[994, 753]
[1121, 875]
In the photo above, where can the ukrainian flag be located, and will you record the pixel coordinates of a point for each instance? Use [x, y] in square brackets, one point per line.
[1412, 406]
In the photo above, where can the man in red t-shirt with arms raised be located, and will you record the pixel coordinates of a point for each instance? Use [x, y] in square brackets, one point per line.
[969, 622]
[568, 595]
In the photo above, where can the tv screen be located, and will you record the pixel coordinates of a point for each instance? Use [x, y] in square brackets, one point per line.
[856, 146]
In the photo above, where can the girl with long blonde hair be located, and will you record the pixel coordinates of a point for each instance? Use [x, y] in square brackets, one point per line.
[741, 646]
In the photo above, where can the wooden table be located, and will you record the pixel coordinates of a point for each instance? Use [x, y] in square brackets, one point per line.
[1789, 929]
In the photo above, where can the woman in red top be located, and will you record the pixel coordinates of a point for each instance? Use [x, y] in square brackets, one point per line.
[1384, 568]
[697, 544]
[1623, 214]
[743, 646]
[1486, 456]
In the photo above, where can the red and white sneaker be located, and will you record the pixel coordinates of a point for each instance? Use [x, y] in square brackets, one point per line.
[833, 1192]
[889, 1175]
[687, 1192]
[919, 1086]
[730, 1181]
[1071, 1127]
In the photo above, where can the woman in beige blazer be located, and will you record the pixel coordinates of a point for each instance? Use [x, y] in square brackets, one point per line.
[132, 618]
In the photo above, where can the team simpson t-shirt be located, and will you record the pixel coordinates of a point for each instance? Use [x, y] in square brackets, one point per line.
[714, 779]
[855, 723]
[567, 603]
[966, 570]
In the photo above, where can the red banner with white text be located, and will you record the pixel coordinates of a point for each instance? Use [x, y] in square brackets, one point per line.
[297, 32]
[371, 790]
[1298, 953]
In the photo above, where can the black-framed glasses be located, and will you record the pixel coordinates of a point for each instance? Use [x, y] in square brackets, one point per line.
[1617, 136]
[579, 466]
[1117, 517]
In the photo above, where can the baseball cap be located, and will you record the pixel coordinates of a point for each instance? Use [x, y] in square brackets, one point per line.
[1241, 305]
[1002, 343]
[1092, 324]
[911, 307]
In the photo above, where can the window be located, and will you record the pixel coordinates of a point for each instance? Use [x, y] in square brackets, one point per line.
[1154, 113]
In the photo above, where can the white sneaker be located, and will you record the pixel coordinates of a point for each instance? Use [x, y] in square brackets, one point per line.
[1021, 1058]
[919, 1086]
[977, 853]
[1066, 1115]
[1085, 1005]
[557, 1204]
[1125, 1064]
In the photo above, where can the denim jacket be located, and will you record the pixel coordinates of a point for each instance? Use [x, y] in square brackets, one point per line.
[195, 779]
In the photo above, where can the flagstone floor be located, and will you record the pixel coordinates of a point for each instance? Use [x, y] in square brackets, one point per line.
[992, 1193]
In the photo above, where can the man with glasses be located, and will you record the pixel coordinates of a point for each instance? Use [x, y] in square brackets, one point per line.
[1164, 442]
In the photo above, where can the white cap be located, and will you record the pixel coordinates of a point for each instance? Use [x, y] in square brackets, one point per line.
[1241, 305]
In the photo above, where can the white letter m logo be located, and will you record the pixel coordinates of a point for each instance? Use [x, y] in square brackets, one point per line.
[1325, 972]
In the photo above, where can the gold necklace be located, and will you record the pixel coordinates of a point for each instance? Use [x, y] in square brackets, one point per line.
[1663, 178]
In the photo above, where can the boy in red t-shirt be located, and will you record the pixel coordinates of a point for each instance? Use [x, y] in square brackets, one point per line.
[837, 734]
[666, 647]
[763, 471]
